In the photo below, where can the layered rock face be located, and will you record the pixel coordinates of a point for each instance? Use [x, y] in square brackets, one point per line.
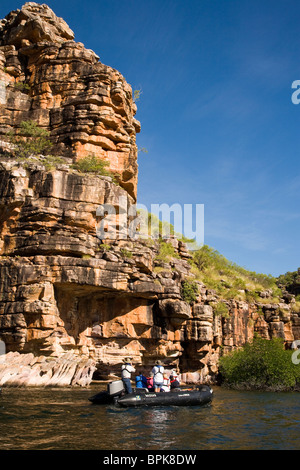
[79, 291]
[63, 290]
[48, 77]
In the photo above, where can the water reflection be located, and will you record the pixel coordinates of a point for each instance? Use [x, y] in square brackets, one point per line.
[65, 419]
[160, 423]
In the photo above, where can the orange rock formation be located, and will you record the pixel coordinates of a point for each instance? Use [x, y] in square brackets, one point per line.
[65, 295]
[48, 77]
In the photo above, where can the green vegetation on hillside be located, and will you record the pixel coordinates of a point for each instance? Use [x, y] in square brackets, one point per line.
[291, 282]
[262, 365]
[230, 280]
[153, 227]
[289, 278]
[166, 252]
[189, 291]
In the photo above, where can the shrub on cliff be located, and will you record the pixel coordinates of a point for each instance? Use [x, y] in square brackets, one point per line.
[30, 140]
[221, 309]
[92, 164]
[189, 291]
[166, 252]
[262, 365]
[290, 281]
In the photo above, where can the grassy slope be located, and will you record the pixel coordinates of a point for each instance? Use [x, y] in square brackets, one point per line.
[230, 280]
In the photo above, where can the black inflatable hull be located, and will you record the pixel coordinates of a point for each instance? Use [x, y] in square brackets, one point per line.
[179, 398]
[102, 398]
[197, 397]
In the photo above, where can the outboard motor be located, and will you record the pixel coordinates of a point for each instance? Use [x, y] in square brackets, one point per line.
[115, 388]
[114, 391]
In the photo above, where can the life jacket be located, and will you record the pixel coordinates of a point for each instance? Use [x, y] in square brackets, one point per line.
[166, 385]
[174, 383]
[158, 371]
[141, 381]
[144, 381]
[138, 381]
[124, 368]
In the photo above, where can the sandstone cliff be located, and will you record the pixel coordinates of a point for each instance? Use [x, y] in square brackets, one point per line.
[72, 303]
[63, 290]
[48, 77]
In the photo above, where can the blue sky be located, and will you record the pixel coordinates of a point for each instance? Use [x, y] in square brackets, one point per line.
[216, 112]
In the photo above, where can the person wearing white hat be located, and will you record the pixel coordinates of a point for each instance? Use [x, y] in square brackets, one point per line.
[127, 369]
[158, 378]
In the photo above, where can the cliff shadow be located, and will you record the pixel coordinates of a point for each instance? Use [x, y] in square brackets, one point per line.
[93, 316]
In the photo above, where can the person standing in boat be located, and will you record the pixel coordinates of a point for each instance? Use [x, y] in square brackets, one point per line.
[158, 377]
[127, 369]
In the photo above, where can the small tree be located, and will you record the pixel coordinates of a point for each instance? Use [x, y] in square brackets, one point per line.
[143, 150]
[204, 257]
[31, 140]
[137, 95]
[189, 291]
[166, 252]
[92, 164]
[260, 364]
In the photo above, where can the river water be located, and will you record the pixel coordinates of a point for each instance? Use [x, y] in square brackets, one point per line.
[54, 419]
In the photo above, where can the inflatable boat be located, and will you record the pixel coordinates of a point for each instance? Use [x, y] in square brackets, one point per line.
[115, 394]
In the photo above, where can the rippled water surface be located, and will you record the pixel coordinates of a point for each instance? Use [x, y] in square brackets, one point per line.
[52, 419]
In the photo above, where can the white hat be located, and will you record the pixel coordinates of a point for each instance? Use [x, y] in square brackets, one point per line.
[127, 359]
